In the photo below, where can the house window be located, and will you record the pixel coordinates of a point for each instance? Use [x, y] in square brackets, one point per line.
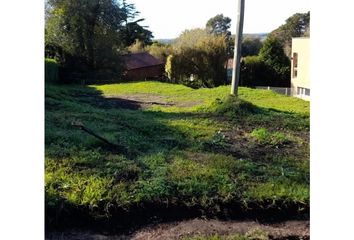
[295, 64]
[307, 92]
[303, 91]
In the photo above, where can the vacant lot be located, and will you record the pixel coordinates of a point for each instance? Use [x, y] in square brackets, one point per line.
[175, 152]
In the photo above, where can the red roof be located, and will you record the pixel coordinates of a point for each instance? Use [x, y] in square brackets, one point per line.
[140, 60]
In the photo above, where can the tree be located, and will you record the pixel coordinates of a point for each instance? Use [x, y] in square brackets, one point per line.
[190, 38]
[254, 72]
[160, 50]
[219, 25]
[298, 25]
[272, 54]
[200, 57]
[251, 46]
[133, 31]
[88, 35]
[137, 47]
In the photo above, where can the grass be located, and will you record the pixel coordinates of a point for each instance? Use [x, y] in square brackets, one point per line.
[215, 152]
[263, 136]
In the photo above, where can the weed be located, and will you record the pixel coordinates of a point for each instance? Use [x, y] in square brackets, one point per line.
[263, 136]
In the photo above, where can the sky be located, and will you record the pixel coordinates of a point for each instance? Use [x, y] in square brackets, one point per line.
[168, 18]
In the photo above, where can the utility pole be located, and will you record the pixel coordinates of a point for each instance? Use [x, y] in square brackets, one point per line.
[237, 51]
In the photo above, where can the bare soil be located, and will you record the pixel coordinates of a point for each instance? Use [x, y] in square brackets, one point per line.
[137, 101]
[177, 230]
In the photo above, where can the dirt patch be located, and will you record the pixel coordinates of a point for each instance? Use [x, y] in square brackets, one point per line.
[144, 100]
[188, 228]
[236, 141]
[147, 100]
[133, 101]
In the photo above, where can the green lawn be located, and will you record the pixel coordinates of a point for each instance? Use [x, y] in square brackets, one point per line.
[201, 149]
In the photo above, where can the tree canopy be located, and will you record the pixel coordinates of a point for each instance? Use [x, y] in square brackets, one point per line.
[298, 25]
[272, 54]
[89, 34]
[251, 46]
[199, 59]
[219, 25]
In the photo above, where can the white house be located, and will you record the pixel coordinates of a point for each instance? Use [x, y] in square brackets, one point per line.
[300, 68]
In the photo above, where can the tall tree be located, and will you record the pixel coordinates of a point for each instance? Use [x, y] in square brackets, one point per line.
[200, 56]
[251, 46]
[92, 32]
[298, 25]
[219, 25]
[272, 54]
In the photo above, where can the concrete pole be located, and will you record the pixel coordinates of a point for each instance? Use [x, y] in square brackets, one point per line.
[237, 51]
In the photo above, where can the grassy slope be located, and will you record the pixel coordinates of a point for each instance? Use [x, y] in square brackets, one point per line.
[176, 155]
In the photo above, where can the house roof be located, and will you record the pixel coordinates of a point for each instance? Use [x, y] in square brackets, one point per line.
[140, 60]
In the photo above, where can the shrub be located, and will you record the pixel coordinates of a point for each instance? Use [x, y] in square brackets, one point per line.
[159, 50]
[251, 46]
[200, 62]
[233, 107]
[51, 70]
[272, 54]
[254, 72]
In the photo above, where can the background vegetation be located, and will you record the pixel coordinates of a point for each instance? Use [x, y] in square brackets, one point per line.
[88, 37]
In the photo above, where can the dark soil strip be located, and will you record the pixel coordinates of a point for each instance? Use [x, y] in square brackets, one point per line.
[123, 221]
[291, 230]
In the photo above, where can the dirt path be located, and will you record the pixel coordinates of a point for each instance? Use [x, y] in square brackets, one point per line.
[148, 100]
[177, 230]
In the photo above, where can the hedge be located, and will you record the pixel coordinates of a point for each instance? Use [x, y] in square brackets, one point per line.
[51, 70]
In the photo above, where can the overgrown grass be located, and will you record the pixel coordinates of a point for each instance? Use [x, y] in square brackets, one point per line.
[170, 156]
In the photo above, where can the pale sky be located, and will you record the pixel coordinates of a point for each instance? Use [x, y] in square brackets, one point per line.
[168, 18]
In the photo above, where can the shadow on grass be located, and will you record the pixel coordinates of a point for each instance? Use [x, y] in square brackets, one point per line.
[142, 133]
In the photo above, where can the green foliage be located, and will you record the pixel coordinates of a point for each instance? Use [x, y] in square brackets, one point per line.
[189, 38]
[200, 62]
[51, 70]
[137, 47]
[87, 36]
[251, 46]
[219, 25]
[298, 25]
[233, 107]
[171, 68]
[159, 50]
[254, 72]
[272, 54]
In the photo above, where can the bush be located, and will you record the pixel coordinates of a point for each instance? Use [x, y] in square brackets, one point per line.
[233, 107]
[159, 50]
[272, 54]
[51, 70]
[251, 46]
[200, 62]
[254, 72]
